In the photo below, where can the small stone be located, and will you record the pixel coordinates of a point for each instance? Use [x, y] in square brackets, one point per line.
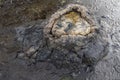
[31, 50]
[74, 75]
[21, 55]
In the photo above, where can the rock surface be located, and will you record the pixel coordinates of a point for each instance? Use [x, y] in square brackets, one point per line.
[106, 13]
[73, 46]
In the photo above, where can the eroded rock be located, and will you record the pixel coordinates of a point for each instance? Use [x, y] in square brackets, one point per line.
[75, 38]
[71, 39]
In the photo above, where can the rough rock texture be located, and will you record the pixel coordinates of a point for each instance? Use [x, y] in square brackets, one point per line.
[106, 13]
[76, 41]
[23, 11]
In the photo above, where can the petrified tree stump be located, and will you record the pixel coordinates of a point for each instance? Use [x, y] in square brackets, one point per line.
[75, 38]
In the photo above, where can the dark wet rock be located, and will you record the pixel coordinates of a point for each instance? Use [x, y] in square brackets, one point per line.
[43, 54]
[16, 12]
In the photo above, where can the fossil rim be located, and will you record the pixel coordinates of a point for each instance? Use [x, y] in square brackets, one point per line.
[81, 10]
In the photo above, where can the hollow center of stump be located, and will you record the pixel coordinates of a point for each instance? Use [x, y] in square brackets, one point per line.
[71, 24]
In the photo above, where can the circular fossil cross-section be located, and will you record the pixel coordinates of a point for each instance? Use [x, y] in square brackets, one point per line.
[71, 24]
